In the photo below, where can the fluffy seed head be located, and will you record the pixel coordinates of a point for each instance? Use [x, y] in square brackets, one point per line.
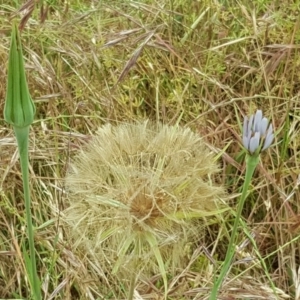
[138, 187]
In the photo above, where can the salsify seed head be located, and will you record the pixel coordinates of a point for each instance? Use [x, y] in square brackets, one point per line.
[134, 186]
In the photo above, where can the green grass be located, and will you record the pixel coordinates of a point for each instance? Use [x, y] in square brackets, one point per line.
[205, 64]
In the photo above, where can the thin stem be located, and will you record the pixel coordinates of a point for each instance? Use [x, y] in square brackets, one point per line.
[133, 277]
[22, 135]
[132, 286]
[251, 163]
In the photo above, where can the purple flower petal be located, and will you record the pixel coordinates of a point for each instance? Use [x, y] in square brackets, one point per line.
[245, 127]
[250, 124]
[263, 126]
[246, 142]
[268, 141]
[270, 129]
[257, 120]
[254, 142]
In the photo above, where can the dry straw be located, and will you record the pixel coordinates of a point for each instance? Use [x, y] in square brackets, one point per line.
[138, 193]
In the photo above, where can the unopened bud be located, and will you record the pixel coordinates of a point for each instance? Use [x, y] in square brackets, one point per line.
[19, 109]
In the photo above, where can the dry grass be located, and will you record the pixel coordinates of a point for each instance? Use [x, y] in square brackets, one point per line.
[203, 65]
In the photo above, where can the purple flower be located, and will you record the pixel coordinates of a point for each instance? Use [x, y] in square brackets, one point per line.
[257, 133]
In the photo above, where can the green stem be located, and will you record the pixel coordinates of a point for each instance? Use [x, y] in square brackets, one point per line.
[251, 163]
[22, 135]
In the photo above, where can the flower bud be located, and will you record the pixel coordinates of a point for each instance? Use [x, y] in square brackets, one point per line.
[19, 109]
[258, 134]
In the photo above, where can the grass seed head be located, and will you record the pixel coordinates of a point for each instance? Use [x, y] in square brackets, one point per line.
[136, 187]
